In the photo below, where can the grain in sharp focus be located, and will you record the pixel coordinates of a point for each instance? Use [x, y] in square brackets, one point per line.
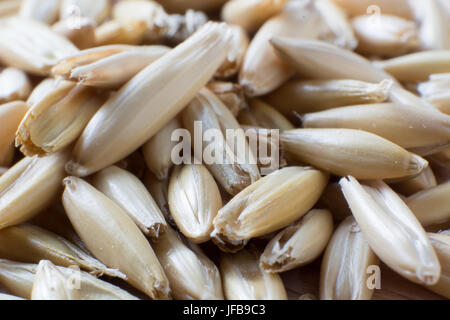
[51, 284]
[11, 115]
[320, 60]
[392, 230]
[192, 275]
[344, 273]
[252, 14]
[180, 6]
[18, 279]
[298, 244]
[30, 244]
[158, 150]
[405, 125]
[339, 24]
[14, 85]
[234, 166]
[112, 237]
[431, 206]
[302, 96]
[58, 119]
[31, 46]
[271, 203]
[385, 35]
[236, 54]
[30, 186]
[417, 66]
[262, 70]
[150, 100]
[9, 7]
[130, 194]
[194, 201]
[441, 244]
[97, 10]
[425, 180]
[433, 17]
[351, 152]
[357, 7]
[437, 91]
[231, 94]
[79, 31]
[159, 190]
[108, 66]
[244, 279]
[43, 11]
[4, 296]
[261, 114]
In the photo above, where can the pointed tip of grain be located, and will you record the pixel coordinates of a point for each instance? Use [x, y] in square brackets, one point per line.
[417, 164]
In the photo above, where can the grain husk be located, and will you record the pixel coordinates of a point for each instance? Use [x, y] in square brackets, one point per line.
[157, 93]
[405, 125]
[11, 115]
[437, 91]
[271, 203]
[159, 190]
[108, 66]
[262, 70]
[192, 275]
[236, 170]
[300, 243]
[303, 96]
[194, 201]
[431, 206]
[29, 187]
[357, 7]
[31, 46]
[42, 11]
[130, 194]
[158, 150]
[14, 85]
[251, 15]
[30, 244]
[339, 24]
[112, 237]
[79, 31]
[351, 152]
[51, 284]
[244, 279]
[320, 60]
[57, 120]
[441, 244]
[18, 279]
[387, 36]
[345, 263]
[392, 230]
[417, 66]
[425, 180]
